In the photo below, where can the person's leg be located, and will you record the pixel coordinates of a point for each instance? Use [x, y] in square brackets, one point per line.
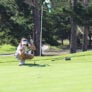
[25, 56]
[22, 59]
[29, 56]
[22, 62]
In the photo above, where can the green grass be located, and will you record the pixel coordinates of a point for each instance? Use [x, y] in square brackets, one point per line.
[50, 74]
[6, 48]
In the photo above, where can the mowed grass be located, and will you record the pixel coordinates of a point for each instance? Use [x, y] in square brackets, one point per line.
[7, 48]
[50, 74]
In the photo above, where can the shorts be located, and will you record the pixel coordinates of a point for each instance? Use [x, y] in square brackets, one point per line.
[25, 56]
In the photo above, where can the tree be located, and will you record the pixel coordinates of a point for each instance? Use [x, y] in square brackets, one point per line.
[15, 21]
[86, 29]
[37, 26]
[73, 41]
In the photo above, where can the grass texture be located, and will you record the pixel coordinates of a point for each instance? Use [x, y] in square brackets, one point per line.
[48, 74]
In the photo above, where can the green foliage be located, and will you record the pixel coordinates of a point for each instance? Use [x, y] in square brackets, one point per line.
[15, 21]
[59, 4]
[62, 25]
[56, 26]
[81, 14]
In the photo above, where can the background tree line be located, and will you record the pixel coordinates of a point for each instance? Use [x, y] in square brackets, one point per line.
[20, 18]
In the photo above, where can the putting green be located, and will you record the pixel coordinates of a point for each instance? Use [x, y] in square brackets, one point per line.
[50, 76]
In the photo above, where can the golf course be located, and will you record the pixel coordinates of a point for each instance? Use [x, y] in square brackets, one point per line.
[45, 45]
[48, 74]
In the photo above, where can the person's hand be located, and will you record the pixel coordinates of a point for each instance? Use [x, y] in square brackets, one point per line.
[31, 41]
[32, 46]
[29, 44]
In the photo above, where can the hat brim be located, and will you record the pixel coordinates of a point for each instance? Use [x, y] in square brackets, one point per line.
[24, 42]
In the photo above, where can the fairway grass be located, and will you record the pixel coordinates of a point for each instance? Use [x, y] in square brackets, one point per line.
[50, 74]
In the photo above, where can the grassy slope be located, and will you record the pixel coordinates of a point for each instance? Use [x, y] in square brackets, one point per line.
[54, 74]
[6, 48]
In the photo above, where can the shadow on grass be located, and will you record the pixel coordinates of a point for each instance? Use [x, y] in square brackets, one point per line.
[37, 65]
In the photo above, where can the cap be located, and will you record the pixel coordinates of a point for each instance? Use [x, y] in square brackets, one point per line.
[24, 42]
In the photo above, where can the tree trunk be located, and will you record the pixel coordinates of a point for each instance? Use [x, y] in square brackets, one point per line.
[86, 28]
[90, 34]
[85, 2]
[62, 42]
[37, 27]
[37, 24]
[85, 38]
[73, 39]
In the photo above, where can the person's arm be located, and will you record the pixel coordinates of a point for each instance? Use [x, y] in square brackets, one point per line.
[20, 49]
[32, 46]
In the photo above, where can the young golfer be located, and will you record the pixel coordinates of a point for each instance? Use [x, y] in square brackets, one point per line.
[24, 51]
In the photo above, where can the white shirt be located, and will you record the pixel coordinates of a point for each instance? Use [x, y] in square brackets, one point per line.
[23, 48]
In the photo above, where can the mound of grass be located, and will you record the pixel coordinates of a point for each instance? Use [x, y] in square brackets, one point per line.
[6, 48]
[49, 74]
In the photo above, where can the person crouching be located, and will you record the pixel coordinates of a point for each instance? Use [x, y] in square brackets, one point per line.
[24, 51]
